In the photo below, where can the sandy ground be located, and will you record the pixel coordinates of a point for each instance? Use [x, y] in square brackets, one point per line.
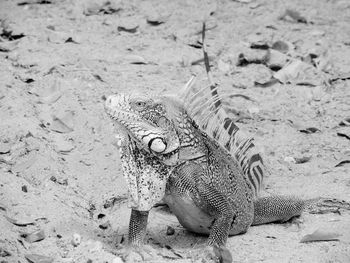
[60, 175]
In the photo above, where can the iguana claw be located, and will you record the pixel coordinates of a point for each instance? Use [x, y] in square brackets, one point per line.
[144, 253]
[211, 254]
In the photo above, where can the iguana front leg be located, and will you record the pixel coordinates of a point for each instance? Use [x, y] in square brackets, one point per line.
[217, 205]
[202, 208]
[136, 250]
[137, 227]
[146, 180]
[231, 217]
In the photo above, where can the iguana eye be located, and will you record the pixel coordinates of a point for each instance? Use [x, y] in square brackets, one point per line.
[157, 145]
[140, 104]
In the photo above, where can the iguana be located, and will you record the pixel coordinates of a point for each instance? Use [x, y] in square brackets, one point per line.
[166, 154]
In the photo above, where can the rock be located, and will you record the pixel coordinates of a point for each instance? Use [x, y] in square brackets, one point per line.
[8, 46]
[223, 66]
[281, 46]
[304, 159]
[95, 247]
[117, 260]
[170, 231]
[243, 1]
[254, 5]
[293, 16]
[344, 132]
[257, 41]
[5, 147]
[299, 72]
[135, 59]
[47, 94]
[256, 56]
[105, 225]
[3, 207]
[25, 164]
[103, 8]
[276, 60]
[253, 110]
[76, 239]
[129, 25]
[62, 124]
[321, 235]
[62, 146]
[35, 236]
[289, 159]
[35, 258]
[345, 122]
[57, 37]
[156, 19]
[25, 188]
[317, 33]
[4, 252]
[60, 180]
[309, 130]
[318, 93]
[261, 74]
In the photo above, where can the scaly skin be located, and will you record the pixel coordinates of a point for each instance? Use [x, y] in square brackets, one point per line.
[205, 186]
[199, 167]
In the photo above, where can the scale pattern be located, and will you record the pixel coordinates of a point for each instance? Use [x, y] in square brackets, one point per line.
[145, 176]
[205, 107]
[203, 184]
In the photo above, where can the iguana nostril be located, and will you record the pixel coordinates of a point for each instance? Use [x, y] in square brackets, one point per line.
[109, 100]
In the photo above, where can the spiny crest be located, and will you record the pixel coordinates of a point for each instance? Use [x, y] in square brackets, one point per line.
[204, 105]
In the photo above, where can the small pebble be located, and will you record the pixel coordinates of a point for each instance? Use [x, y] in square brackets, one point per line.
[35, 236]
[253, 110]
[170, 231]
[117, 260]
[36, 258]
[76, 240]
[5, 253]
[95, 247]
[289, 159]
[100, 216]
[24, 188]
[105, 225]
[303, 159]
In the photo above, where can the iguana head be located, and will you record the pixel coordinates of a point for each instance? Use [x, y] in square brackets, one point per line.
[149, 121]
[160, 126]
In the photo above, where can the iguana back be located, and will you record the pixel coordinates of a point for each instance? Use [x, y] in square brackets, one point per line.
[206, 108]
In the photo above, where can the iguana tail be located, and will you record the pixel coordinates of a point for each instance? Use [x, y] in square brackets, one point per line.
[283, 208]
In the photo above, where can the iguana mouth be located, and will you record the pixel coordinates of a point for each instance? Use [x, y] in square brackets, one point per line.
[121, 116]
[167, 156]
[170, 158]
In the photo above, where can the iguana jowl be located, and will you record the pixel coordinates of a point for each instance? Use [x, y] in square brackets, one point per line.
[205, 186]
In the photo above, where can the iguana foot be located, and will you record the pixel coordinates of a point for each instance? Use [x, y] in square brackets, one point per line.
[142, 253]
[211, 254]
